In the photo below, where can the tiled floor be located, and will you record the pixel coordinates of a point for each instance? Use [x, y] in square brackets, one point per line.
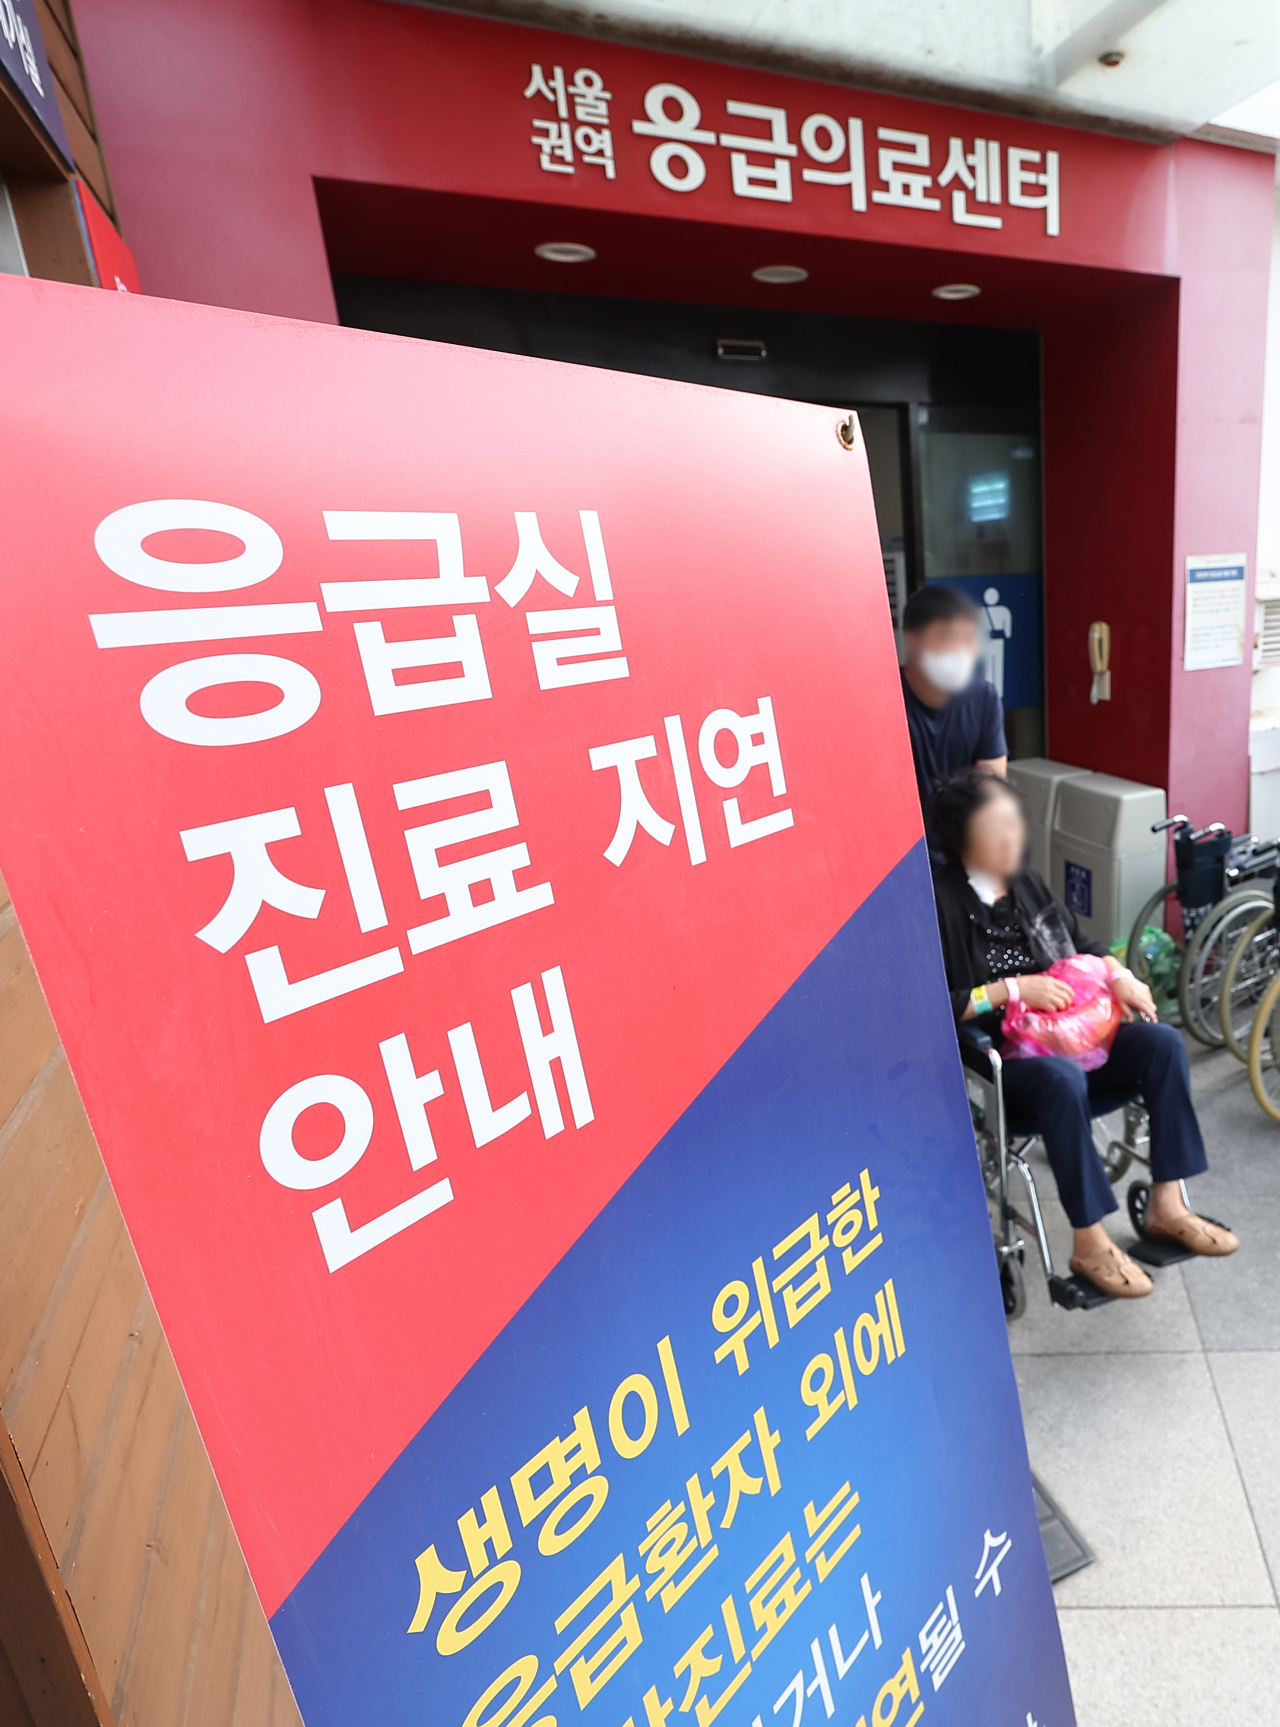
[1156, 1426]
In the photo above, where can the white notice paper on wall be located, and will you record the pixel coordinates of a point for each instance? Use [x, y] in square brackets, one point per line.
[1215, 612]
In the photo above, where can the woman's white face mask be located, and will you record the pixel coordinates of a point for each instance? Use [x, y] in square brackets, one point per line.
[951, 671]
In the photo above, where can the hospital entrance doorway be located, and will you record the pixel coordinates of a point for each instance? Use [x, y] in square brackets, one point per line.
[950, 414]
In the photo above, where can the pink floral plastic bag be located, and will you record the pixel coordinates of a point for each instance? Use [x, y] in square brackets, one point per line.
[1082, 1032]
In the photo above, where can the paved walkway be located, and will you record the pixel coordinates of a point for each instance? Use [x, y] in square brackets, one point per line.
[1156, 1426]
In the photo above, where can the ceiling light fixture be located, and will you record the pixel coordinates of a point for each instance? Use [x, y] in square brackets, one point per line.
[957, 291]
[780, 274]
[565, 252]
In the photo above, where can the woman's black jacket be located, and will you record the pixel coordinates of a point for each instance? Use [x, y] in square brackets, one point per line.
[1051, 931]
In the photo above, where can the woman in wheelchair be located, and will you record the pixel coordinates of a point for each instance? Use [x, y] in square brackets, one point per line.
[1002, 927]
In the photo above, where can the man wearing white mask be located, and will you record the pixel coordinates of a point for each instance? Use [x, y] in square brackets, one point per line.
[954, 716]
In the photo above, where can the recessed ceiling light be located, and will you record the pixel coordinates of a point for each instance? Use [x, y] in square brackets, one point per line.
[565, 252]
[780, 274]
[957, 291]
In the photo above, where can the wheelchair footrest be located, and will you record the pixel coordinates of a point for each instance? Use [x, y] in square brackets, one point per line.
[1162, 1253]
[1159, 1254]
[1076, 1292]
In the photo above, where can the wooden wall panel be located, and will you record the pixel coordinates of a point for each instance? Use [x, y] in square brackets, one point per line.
[57, 27]
[211, 1689]
[27, 1036]
[48, 216]
[107, 1547]
[30, 1397]
[284, 1710]
[13, 1705]
[124, 1597]
[49, 1168]
[86, 154]
[255, 1673]
[87, 1403]
[42, 1640]
[150, 1685]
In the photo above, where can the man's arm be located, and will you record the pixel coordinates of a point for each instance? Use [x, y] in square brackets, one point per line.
[992, 754]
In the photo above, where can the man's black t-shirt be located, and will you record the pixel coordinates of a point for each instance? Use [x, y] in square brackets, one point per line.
[968, 729]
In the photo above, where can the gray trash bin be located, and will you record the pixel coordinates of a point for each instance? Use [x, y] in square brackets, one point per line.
[1105, 860]
[1038, 780]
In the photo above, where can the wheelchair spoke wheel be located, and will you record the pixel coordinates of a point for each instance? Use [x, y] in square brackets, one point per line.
[1013, 1287]
[1137, 956]
[1151, 913]
[1254, 961]
[989, 1160]
[1200, 980]
[1264, 1043]
[1138, 1200]
[1116, 1160]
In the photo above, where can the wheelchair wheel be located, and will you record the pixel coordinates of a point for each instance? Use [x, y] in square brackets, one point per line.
[1138, 1200]
[1264, 1044]
[1254, 961]
[1153, 909]
[1200, 979]
[1116, 1160]
[1013, 1287]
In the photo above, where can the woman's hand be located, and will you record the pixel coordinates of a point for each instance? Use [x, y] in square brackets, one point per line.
[1045, 991]
[1134, 997]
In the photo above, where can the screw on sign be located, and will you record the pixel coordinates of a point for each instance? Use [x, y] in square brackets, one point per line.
[481, 1016]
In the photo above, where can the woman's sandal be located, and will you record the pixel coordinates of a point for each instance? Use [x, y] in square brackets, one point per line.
[1115, 1274]
[1196, 1234]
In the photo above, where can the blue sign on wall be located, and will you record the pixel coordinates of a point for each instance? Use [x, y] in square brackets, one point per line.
[24, 60]
[1012, 609]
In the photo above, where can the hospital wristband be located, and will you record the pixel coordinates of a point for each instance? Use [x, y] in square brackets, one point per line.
[1014, 988]
[980, 1001]
[1115, 976]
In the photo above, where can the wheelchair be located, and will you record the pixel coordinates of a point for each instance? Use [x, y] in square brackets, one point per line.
[1223, 882]
[1254, 962]
[1001, 1154]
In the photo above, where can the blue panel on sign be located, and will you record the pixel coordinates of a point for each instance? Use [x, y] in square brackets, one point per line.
[756, 1436]
[1078, 889]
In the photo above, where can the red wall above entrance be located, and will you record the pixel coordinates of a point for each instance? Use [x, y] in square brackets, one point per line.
[229, 128]
[256, 98]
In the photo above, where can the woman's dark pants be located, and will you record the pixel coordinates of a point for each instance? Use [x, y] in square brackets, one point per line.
[1051, 1096]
